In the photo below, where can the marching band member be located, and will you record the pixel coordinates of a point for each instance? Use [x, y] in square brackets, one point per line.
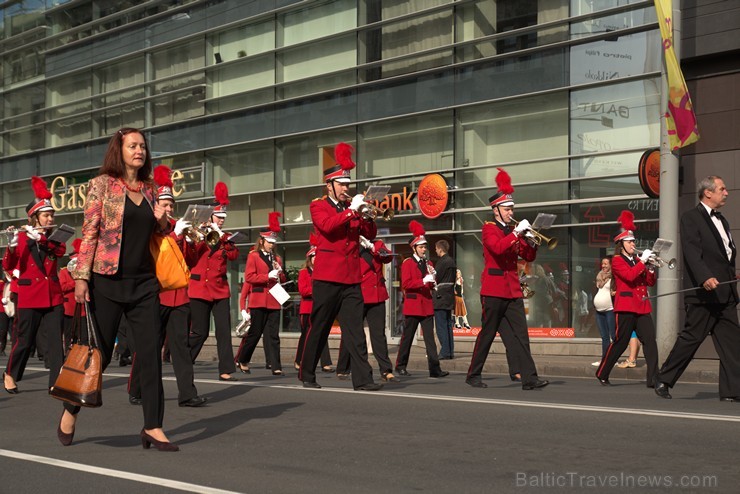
[174, 309]
[632, 275]
[375, 255]
[305, 288]
[209, 290]
[7, 312]
[417, 283]
[501, 292]
[262, 272]
[68, 293]
[39, 306]
[336, 275]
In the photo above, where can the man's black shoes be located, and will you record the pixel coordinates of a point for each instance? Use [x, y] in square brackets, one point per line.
[662, 390]
[539, 383]
[197, 401]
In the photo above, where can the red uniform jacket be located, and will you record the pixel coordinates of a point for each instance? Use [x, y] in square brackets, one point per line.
[500, 277]
[305, 288]
[2, 289]
[631, 279]
[176, 298]
[38, 282]
[256, 274]
[338, 238]
[373, 281]
[417, 295]
[68, 293]
[208, 276]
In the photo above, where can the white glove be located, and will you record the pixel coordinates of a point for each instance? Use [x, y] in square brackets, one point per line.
[181, 225]
[32, 233]
[245, 315]
[428, 279]
[357, 201]
[273, 275]
[646, 254]
[523, 225]
[216, 229]
[14, 240]
[367, 244]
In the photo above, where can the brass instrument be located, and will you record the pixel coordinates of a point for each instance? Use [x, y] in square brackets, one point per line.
[372, 212]
[199, 234]
[242, 328]
[655, 261]
[551, 242]
[526, 291]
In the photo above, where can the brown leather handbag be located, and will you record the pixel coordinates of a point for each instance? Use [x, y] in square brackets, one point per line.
[80, 381]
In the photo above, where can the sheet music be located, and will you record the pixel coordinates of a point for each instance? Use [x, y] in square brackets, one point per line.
[62, 234]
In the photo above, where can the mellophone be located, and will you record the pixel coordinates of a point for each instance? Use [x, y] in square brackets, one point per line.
[655, 260]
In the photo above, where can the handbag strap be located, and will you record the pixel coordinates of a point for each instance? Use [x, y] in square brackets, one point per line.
[90, 328]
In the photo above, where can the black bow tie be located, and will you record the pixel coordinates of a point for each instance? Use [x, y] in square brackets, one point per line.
[717, 214]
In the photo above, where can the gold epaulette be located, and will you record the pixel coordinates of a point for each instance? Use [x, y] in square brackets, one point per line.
[320, 198]
[489, 223]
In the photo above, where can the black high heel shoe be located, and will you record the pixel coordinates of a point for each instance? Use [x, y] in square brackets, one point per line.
[64, 438]
[244, 369]
[277, 372]
[13, 391]
[147, 440]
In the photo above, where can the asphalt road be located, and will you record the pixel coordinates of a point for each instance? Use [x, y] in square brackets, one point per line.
[267, 434]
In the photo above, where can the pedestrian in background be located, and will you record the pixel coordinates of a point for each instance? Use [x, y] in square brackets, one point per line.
[444, 299]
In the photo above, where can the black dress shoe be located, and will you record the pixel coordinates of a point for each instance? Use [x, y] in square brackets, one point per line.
[328, 369]
[441, 374]
[476, 383]
[342, 376]
[539, 383]
[64, 438]
[13, 391]
[277, 372]
[663, 391]
[403, 372]
[314, 385]
[243, 368]
[369, 387]
[390, 378]
[730, 398]
[604, 382]
[196, 401]
[134, 400]
[230, 378]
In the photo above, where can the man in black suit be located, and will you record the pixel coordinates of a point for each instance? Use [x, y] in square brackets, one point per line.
[709, 259]
[443, 299]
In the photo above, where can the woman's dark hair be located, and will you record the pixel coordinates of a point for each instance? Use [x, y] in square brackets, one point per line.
[113, 164]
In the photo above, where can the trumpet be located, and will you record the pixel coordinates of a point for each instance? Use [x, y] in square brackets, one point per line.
[551, 242]
[372, 212]
[526, 291]
[198, 234]
[656, 262]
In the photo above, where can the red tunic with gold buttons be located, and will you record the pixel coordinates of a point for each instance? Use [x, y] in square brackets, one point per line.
[631, 279]
[68, 293]
[208, 276]
[37, 285]
[305, 288]
[373, 280]
[501, 249]
[337, 242]
[417, 295]
[256, 273]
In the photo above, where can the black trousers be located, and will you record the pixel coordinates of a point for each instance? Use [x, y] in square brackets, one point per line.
[375, 316]
[176, 321]
[305, 320]
[200, 311]
[264, 322]
[701, 320]
[643, 325]
[5, 330]
[336, 301]
[410, 325]
[145, 330]
[32, 322]
[506, 317]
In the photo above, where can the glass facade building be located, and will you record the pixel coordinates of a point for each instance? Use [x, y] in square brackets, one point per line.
[562, 94]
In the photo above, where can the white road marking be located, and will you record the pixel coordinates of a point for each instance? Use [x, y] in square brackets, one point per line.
[146, 479]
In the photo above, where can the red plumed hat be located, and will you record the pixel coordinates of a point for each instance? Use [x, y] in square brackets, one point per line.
[503, 196]
[221, 192]
[41, 200]
[627, 220]
[273, 227]
[417, 230]
[340, 170]
[163, 180]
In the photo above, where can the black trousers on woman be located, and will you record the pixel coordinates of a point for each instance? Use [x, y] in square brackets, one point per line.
[410, 325]
[200, 313]
[642, 324]
[264, 322]
[31, 322]
[375, 316]
[325, 355]
[142, 316]
[5, 331]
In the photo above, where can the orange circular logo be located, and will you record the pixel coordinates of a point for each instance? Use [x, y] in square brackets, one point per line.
[649, 172]
[432, 195]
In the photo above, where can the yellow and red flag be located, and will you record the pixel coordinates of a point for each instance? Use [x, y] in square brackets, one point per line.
[680, 117]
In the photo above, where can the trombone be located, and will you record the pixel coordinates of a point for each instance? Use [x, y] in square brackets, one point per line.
[655, 261]
[551, 242]
[372, 212]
